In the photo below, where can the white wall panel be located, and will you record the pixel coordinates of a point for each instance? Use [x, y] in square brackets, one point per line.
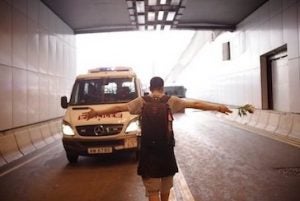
[19, 97]
[294, 85]
[44, 16]
[33, 10]
[59, 56]
[20, 5]
[53, 101]
[6, 90]
[19, 43]
[264, 38]
[43, 50]
[288, 3]
[43, 97]
[33, 46]
[33, 97]
[276, 29]
[290, 31]
[52, 54]
[52, 22]
[32, 62]
[262, 13]
[65, 64]
[275, 7]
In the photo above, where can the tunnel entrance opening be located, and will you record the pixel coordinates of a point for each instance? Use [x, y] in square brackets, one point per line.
[274, 79]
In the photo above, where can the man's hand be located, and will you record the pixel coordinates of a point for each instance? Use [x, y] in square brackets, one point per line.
[90, 114]
[224, 109]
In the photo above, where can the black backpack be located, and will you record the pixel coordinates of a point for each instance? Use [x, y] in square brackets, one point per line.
[157, 158]
[156, 122]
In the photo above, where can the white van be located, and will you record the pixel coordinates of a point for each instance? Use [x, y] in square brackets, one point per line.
[104, 134]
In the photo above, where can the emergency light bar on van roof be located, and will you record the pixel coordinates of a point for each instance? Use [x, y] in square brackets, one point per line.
[106, 69]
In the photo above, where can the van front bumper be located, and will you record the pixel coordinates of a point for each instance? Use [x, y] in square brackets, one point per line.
[92, 147]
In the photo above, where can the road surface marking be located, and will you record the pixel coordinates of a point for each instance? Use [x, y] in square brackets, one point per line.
[27, 161]
[181, 189]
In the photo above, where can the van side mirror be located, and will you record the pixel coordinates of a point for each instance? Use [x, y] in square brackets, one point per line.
[64, 102]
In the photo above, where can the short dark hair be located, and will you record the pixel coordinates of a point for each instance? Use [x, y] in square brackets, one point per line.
[156, 83]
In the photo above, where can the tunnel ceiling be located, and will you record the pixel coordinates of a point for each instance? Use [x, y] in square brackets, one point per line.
[89, 16]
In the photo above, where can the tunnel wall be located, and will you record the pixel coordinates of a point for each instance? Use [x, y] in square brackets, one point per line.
[238, 81]
[37, 63]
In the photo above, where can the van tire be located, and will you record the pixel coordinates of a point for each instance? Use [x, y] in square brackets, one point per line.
[72, 157]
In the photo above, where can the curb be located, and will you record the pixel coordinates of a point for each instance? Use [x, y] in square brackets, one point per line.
[18, 142]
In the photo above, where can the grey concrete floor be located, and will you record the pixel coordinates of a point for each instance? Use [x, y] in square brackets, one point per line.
[218, 161]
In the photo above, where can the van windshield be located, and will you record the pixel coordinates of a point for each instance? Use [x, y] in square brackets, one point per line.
[103, 91]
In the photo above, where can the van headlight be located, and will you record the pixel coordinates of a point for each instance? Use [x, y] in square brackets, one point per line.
[133, 126]
[67, 129]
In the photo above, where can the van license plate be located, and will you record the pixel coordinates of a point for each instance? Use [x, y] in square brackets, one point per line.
[99, 150]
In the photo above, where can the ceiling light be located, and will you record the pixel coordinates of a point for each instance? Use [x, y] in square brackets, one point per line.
[142, 28]
[163, 1]
[131, 11]
[140, 6]
[132, 17]
[152, 2]
[141, 19]
[151, 16]
[170, 16]
[129, 4]
[175, 2]
[160, 15]
[167, 27]
[150, 27]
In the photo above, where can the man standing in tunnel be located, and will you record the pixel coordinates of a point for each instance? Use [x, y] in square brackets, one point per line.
[158, 186]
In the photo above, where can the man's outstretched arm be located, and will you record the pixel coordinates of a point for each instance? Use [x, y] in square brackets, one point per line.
[202, 105]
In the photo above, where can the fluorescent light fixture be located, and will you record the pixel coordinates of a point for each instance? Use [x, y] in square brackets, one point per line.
[175, 2]
[140, 6]
[129, 4]
[150, 27]
[152, 2]
[141, 19]
[167, 27]
[151, 16]
[132, 17]
[142, 28]
[160, 15]
[131, 11]
[170, 16]
[163, 1]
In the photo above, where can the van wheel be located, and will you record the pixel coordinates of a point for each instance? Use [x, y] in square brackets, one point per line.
[72, 157]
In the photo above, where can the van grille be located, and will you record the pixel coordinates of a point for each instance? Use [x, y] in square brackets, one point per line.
[99, 130]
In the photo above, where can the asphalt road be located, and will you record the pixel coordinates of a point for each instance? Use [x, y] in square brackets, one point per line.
[218, 161]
